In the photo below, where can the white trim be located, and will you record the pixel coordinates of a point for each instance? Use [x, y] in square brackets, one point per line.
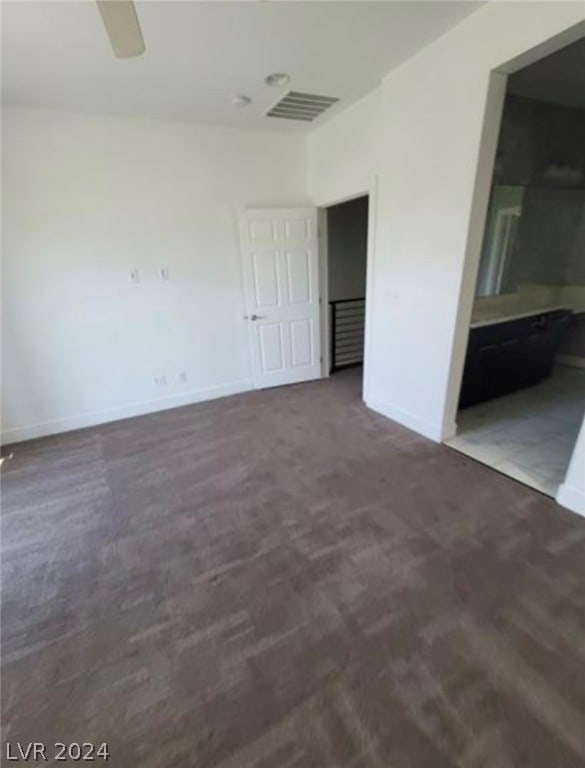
[360, 188]
[433, 431]
[350, 191]
[95, 418]
[494, 104]
[449, 431]
[571, 498]
[323, 238]
[370, 262]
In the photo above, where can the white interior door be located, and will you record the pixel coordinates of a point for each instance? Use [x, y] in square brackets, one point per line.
[281, 282]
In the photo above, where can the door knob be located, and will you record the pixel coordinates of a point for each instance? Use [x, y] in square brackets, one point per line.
[253, 317]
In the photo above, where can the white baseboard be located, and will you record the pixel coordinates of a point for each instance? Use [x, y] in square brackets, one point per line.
[93, 418]
[572, 498]
[572, 360]
[432, 431]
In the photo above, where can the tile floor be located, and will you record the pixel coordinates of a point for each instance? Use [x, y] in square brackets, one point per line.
[528, 435]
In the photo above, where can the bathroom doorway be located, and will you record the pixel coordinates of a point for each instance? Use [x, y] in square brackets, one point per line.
[522, 396]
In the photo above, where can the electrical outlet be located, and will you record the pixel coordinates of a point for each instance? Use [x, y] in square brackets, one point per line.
[164, 273]
[160, 381]
[134, 276]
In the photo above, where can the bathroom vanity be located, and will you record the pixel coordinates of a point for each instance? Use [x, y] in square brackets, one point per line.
[508, 352]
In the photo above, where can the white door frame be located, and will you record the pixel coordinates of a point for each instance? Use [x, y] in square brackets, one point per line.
[359, 188]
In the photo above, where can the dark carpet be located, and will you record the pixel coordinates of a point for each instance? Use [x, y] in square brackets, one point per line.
[284, 579]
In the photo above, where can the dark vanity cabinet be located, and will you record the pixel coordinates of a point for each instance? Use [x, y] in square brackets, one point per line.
[510, 354]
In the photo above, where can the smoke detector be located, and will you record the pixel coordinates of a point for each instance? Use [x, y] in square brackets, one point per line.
[240, 100]
[277, 78]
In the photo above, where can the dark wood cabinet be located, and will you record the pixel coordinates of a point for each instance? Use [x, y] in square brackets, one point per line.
[508, 355]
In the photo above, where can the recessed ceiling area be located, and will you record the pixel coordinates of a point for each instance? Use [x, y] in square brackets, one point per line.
[200, 54]
[558, 78]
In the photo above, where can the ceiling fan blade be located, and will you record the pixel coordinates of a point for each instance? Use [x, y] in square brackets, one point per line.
[121, 23]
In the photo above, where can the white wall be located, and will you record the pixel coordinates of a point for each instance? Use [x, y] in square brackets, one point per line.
[343, 154]
[85, 200]
[419, 134]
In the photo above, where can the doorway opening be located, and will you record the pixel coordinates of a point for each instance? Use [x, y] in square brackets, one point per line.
[522, 396]
[345, 249]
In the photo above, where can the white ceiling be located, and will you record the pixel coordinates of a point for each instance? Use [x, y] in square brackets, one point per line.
[199, 54]
[558, 78]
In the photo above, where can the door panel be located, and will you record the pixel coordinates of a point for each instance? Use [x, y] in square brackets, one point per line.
[280, 267]
[271, 347]
[297, 229]
[299, 276]
[265, 268]
[262, 231]
[300, 332]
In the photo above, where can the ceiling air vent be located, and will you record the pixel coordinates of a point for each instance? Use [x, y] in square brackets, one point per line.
[301, 106]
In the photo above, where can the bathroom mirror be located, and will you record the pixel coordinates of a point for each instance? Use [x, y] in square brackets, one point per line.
[500, 239]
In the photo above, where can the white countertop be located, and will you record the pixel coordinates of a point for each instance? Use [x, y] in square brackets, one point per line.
[493, 316]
